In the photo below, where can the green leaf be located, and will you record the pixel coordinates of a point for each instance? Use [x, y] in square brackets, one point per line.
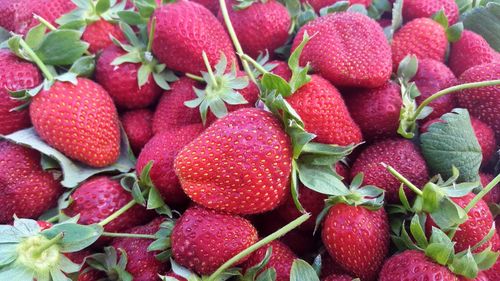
[431, 197]
[452, 143]
[84, 66]
[358, 8]
[485, 21]
[35, 36]
[299, 74]
[132, 18]
[267, 275]
[486, 259]
[441, 18]
[408, 68]
[418, 232]
[76, 236]
[302, 271]
[321, 179]
[340, 6]
[465, 266]
[16, 273]
[102, 6]
[397, 19]
[8, 253]
[440, 248]
[272, 82]
[454, 32]
[449, 215]
[61, 47]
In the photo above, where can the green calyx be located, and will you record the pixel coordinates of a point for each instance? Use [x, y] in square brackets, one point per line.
[454, 32]
[140, 18]
[39, 253]
[162, 244]
[243, 4]
[111, 264]
[89, 11]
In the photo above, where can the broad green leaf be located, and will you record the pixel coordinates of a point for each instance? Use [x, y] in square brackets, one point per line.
[485, 21]
[35, 36]
[272, 82]
[465, 266]
[84, 66]
[61, 47]
[76, 236]
[448, 215]
[321, 179]
[302, 271]
[102, 6]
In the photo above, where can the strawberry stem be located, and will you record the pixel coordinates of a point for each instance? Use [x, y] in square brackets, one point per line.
[481, 194]
[36, 60]
[129, 235]
[48, 244]
[257, 65]
[119, 212]
[402, 179]
[209, 68]
[151, 35]
[280, 232]
[195, 77]
[44, 22]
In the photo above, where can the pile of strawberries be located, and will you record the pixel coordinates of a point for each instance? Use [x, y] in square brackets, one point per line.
[252, 140]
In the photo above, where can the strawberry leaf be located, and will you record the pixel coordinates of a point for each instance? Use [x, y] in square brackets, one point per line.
[110, 263]
[441, 18]
[76, 236]
[340, 6]
[485, 21]
[454, 32]
[378, 8]
[299, 74]
[301, 271]
[84, 66]
[61, 47]
[465, 265]
[397, 20]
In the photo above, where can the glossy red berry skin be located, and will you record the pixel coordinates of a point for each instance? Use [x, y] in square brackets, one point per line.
[413, 9]
[98, 33]
[138, 127]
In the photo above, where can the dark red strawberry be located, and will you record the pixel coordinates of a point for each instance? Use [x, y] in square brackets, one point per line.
[329, 267]
[79, 120]
[348, 49]
[50, 10]
[98, 33]
[212, 5]
[281, 260]
[413, 9]
[376, 111]
[422, 37]
[240, 164]
[15, 74]
[481, 276]
[336, 277]
[121, 81]
[185, 29]
[492, 197]
[401, 154]
[414, 265]
[162, 150]
[172, 274]
[324, 113]
[281, 69]
[138, 127]
[202, 239]
[318, 4]
[26, 190]
[494, 272]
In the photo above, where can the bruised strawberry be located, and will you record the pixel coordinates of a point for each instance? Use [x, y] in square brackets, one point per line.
[121, 81]
[202, 239]
[79, 120]
[50, 10]
[162, 150]
[281, 260]
[492, 197]
[413, 9]
[185, 29]
[318, 4]
[240, 164]
[324, 113]
[15, 74]
[98, 35]
[348, 49]
[137, 125]
[26, 190]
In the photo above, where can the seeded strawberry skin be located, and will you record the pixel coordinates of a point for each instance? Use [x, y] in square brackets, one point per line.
[413, 9]
[137, 124]
[281, 259]
[98, 33]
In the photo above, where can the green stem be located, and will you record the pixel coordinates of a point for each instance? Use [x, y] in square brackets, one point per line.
[209, 68]
[36, 60]
[453, 89]
[481, 194]
[48, 244]
[44, 22]
[119, 212]
[280, 232]
[195, 77]
[257, 65]
[234, 38]
[402, 179]
[53, 219]
[151, 35]
[129, 235]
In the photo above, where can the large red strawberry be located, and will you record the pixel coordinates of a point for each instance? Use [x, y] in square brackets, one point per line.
[401, 154]
[422, 37]
[138, 127]
[376, 111]
[184, 30]
[162, 150]
[98, 35]
[469, 51]
[50, 10]
[261, 26]
[482, 103]
[357, 239]
[26, 190]
[414, 265]
[15, 74]
[281, 259]
[8, 13]
[494, 272]
[492, 197]
[413, 9]
[121, 81]
[240, 164]
[318, 4]
[324, 113]
[202, 239]
[79, 120]
[348, 49]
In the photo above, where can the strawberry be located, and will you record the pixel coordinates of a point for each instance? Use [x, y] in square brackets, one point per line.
[324, 113]
[15, 74]
[281, 69]
[98, 33]
[413, 9]
[336, 277]
[492, 197]
[422, 37]
[8, 13]
[137, 126]
[376, 111]
[494, 272]
[414, 265]
[480, 277]
[329, 267]
[79, 120]
[401, 154]
[242, 163]
[482, 102]
[212, 5]
[261, 26]
[177, 277]
[318, 4]
[469, 51]
[348, 49]
[365, 232]
[121, 81]
[26, 190]
[203, 240]
[162, 150]
[50, 10]
[281, 260]
[183, 30]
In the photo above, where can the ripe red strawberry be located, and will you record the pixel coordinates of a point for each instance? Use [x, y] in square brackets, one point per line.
[324, 113]
[121, 81]
[15, 74]
[98, 33]
[413, 9]
[138, 127]
[26, 190]
[482, 103]
[336, 277]
[422, 37]
[414, 265]
[49, 10]
[171, 112]
[281, 69]
[329, 267]
[261, 26]
[401, 154]
[281, 260]
[492, 197]
[8, 14]
[357, 239]
[348, 49]
[212, 5]
[162, 150]
[79, 120]
[469, 51]
[202, 239]
[494, 272]
[376, 111]
[240, 164]
[183, 30]
[481, 276]
[318, 4]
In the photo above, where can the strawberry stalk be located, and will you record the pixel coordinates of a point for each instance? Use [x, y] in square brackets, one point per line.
[245, 57]
[118, 213]
[151, 35]
[279, 233]
[48, 75]
[38, 252]
[209, 68]
[402, 179]
[129, 235]
[482, 193]
[195, 77]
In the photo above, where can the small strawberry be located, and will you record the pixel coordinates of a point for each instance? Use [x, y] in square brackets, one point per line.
[492, 197]
[318, 4]
[281, 260]
[203, 240]
[79, 120]
[138, 127]
[413, 9]
[336, 277]
[162, 150]
[26, 190]
[50, 10]
[241, 164]
[348, 49]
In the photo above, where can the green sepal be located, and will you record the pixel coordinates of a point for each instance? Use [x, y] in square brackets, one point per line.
[93, 11]
[440, 248]
[146, 7]
[357, 8]
[34, 37]
[409, 92]
[340, 6]
[263, 60]
[441, 18]
[378, 8]
[299, 74]
[486, 259]
[301, 270]
[397, 20]
[253, 273]
[454, 32]
[243, 4]
[300, 13]
[76, 236]
[110, 263]
[84, 66]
